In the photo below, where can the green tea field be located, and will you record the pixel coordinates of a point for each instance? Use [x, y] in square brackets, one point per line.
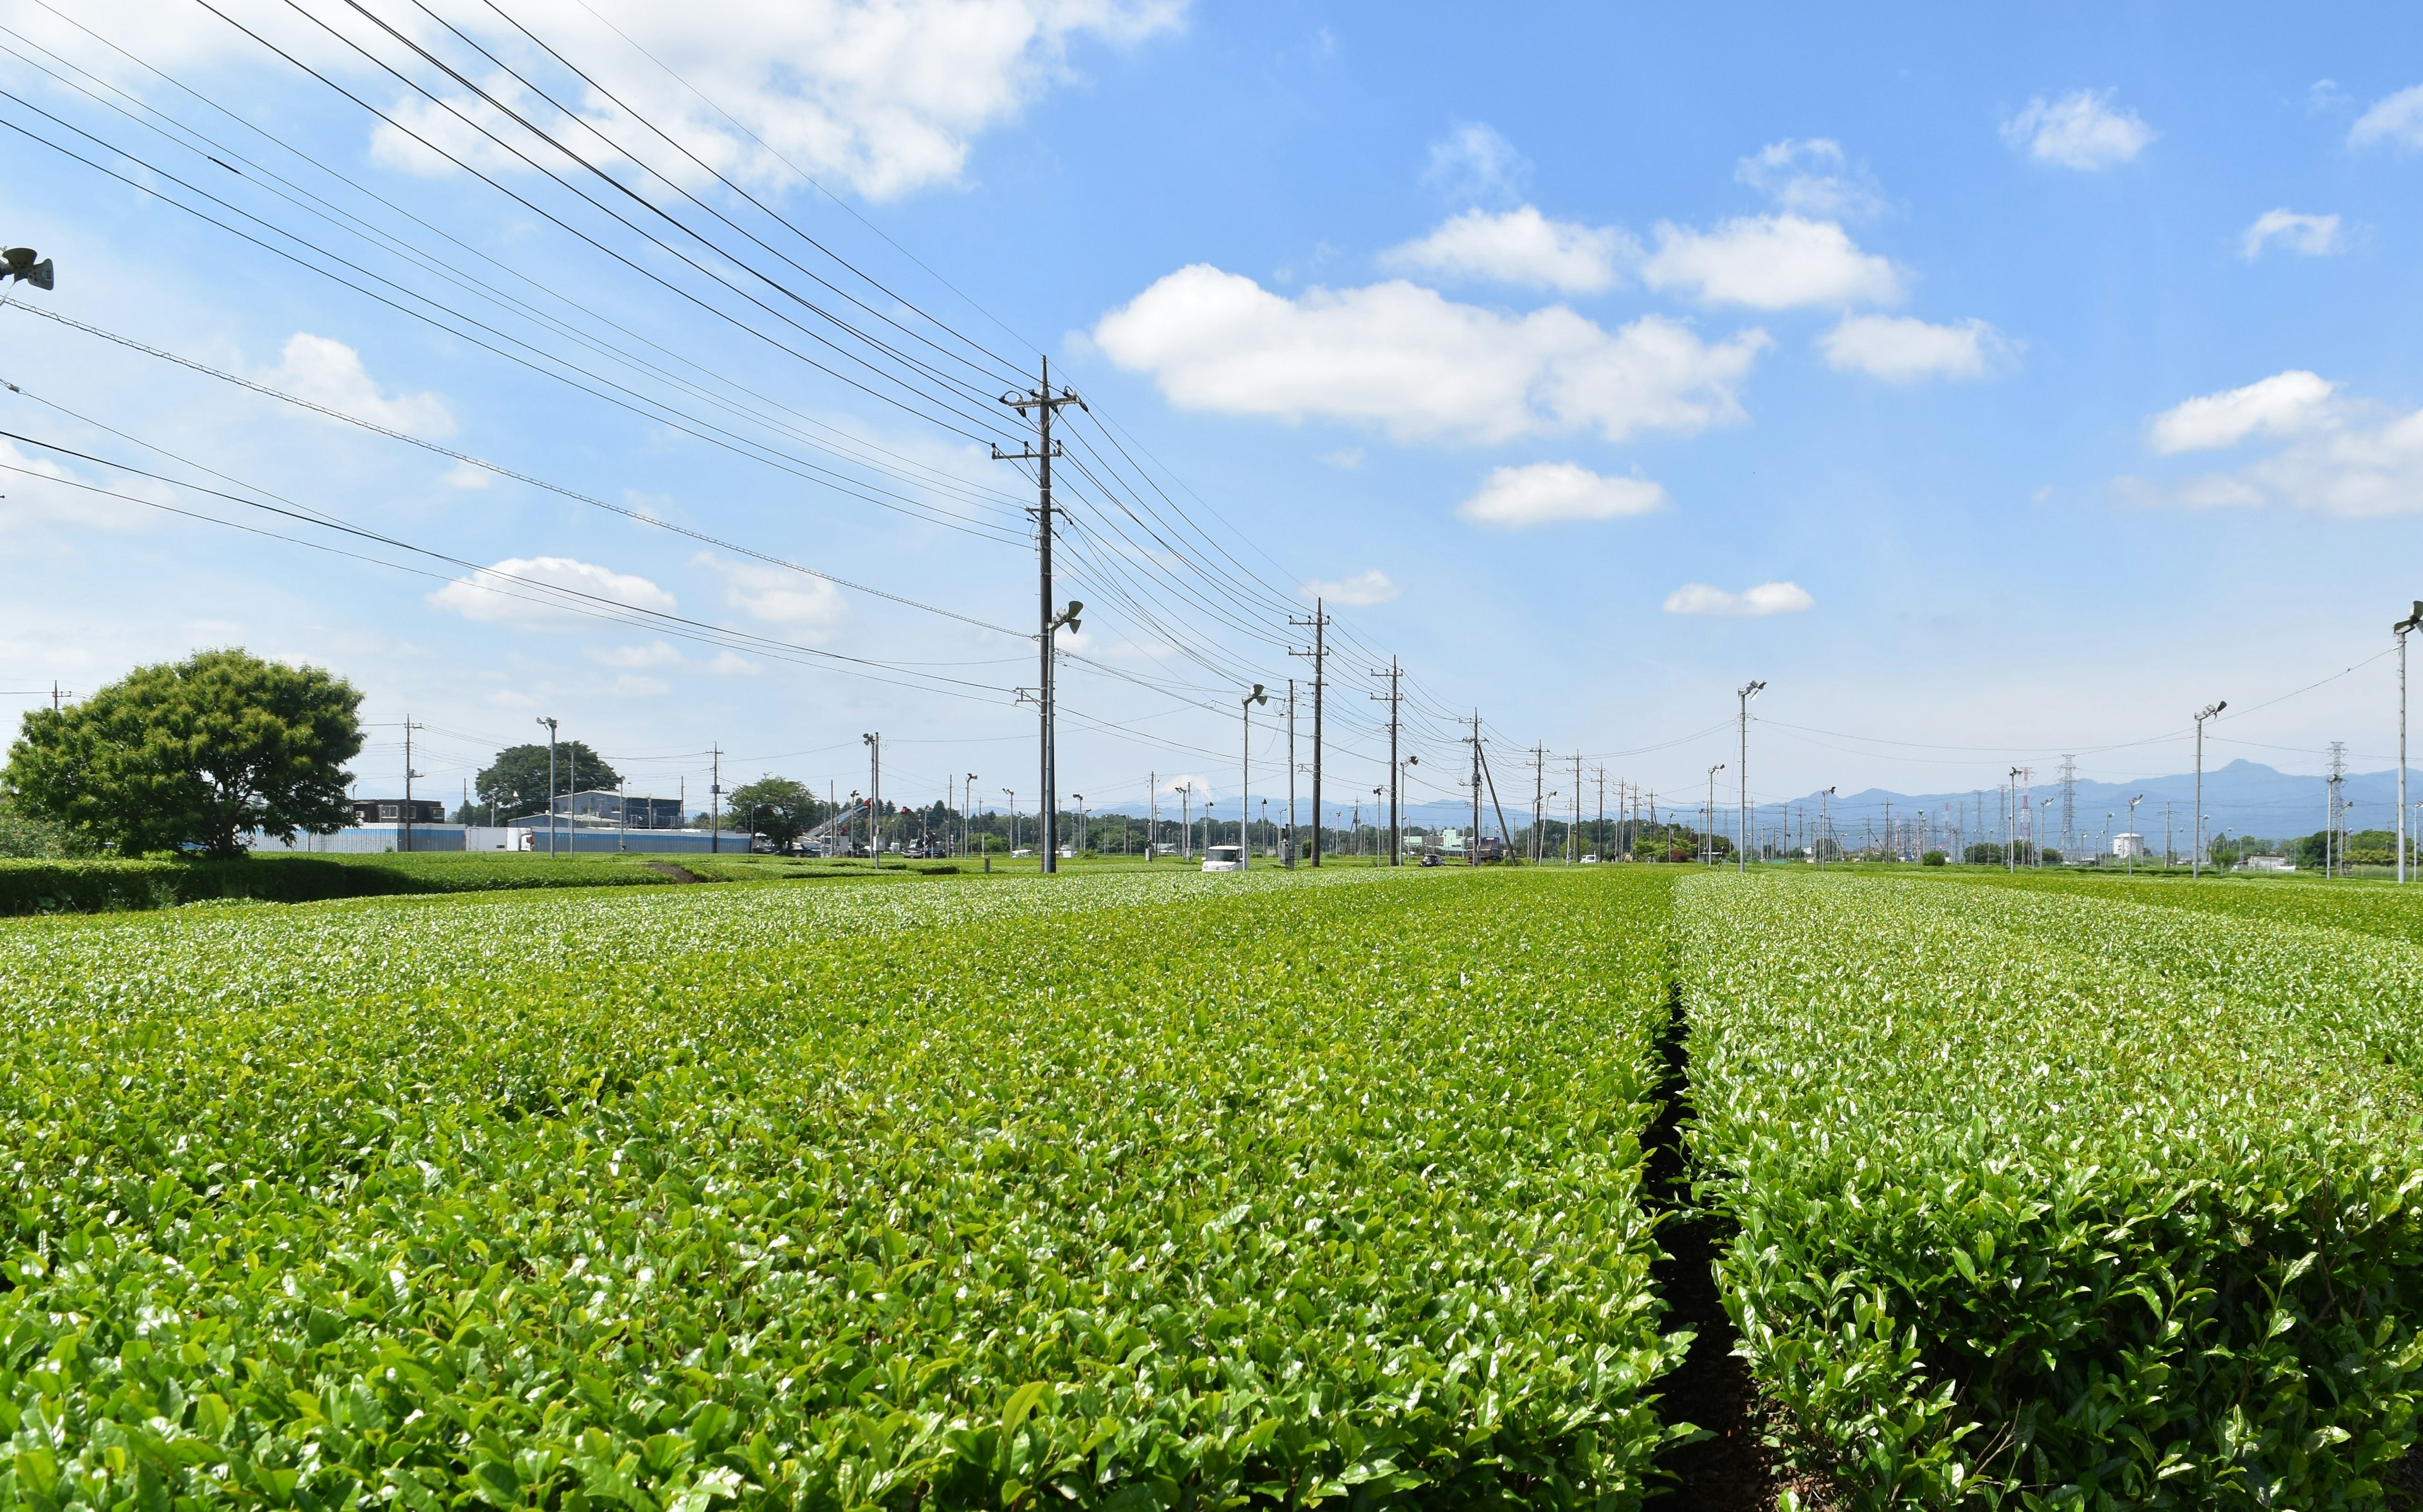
[1163, 1192]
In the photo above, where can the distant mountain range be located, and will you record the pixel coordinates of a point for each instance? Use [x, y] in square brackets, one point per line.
[2242, 797]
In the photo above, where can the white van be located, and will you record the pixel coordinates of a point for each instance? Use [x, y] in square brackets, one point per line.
[1224, 858]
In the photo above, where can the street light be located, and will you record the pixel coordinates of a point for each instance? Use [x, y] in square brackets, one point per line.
[967, 814]
[2132, 824]
[2011, 825]
[550, 783]
[1745, 694]
[2195, 856]
[1711, 812]
[1012, 796]
[1398, 834]
[1824, 827]
[1080, 798]
[1246, 783]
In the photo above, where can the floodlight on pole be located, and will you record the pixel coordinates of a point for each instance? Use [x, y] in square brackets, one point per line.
[550, 782]
[1246, 777]
[2195, 850]
[2140, 841]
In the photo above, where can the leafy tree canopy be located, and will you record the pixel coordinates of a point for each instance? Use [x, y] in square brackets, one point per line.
[783, 810]
[192, 755]
[516, 781]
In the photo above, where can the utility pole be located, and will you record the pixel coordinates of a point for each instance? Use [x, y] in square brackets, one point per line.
[1472, 845]
[873, 743]
[968, 813]
[2400, 629]
[1710, 811]
[1600, 839]
[550, 785]
[1746, 693]
[409, 774]
[1320, 626]
[715, 802]
[1395, 674]
[1152, 816]
[1246, 781]
[2195, 857]
[2069, 805]
[1290, 824]
[1573, 831]
[2011, 825]
[1539, 819]
[1045, 403]
[1824, 826]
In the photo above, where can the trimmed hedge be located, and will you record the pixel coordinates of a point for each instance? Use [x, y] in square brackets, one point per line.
[2062, 1201]
[109, 886]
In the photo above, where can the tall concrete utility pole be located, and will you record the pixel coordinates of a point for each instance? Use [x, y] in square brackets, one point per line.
[2400, 629]
[1245, 768]
[1472, 843]
[409, 774]
[1290, 824]
[873, 743]
[1573, 832]
[1045, 403]
[1539, 815]
[1746, 693]
[1152, 816]
[1395, 674]
[715, 802]
[2196, 857]
[1320, 626]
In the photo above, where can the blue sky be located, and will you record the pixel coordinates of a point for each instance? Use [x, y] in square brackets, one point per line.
[1992, 387]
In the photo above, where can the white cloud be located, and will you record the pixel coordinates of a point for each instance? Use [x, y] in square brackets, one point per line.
[463, 475]
[800, 603]
[330, 373]
[1901, 349]
[1472, 162]
[35, 490]
[2080, 129]
[2281, 404]
[2313, 235]
[880, 95]
[505, 594]
[2338, 456]
[654, 654]
[2397, 119]
[1766, 598]
[1547, 493]
[1769, 263]
[1418, 365]
[1361, 590]
[1810, 177]
[1519, 246]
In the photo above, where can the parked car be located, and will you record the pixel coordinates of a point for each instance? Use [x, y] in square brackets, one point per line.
[1224, 858]
[1431, 858]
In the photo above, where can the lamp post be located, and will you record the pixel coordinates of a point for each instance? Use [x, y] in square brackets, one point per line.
[550, 784]
[1711, 812]
[1745, 694]
[1375, 824]
[2132, 824]
[2195, 854]
[1824, 828]
[2011, 824]
[1404, 773]
[966, 813]
[2402, 626]
[1245, 767]
[1080, 801]
[1012, 796]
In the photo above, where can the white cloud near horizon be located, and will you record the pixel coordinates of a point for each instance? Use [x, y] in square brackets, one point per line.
[2337, 456]
[1419, 365]
[1811, 177]
[2278, 405]
[1474, 163]
[1763, 599]
[2315, 236]
[2082, 130]
[1547, 493]
[1769, 263]
[1359, 590]
[1902, 349]
[509, 598]
[328, 371]
[2397, 119]
[1517, 246]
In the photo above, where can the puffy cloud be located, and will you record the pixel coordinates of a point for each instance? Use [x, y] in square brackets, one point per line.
[1766, 598]
[2397, 119]
[1418, 365]
[1811, 177]
[1472, 162]
[1545, 493]
[884, 96]
[1769, 263]
[1361, 590]
[2279, 405]
[2080, 129]
[329, 372]
[1901, 349]
[2338, 456]
[514, 592]
[2313, 235]
[1518, 247]
[798, 603]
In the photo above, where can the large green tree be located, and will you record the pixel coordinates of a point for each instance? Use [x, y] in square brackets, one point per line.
[516, 781]
[783, 809]
[194, 755]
